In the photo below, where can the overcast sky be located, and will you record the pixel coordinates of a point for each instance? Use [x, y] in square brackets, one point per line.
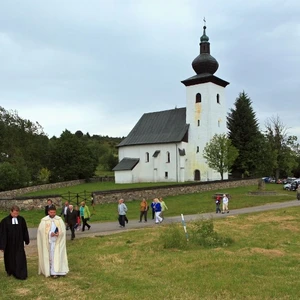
[98, 65]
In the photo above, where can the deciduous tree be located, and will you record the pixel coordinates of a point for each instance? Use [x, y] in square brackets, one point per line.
[220, 154]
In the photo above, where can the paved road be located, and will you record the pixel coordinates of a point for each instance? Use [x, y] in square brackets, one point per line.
[113, 227]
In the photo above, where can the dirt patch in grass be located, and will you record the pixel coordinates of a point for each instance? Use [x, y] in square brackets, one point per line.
[267, 218]
[268, 252]
[22, 292]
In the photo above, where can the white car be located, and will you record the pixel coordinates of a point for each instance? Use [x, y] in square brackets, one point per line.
[288, 186]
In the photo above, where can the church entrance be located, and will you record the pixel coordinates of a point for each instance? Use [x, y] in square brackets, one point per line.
[197, 175]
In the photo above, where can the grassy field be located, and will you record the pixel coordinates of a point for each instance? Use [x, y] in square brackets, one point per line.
[262, 263]
[181, 204]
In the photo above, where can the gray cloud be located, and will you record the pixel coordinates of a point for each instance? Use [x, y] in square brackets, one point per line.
[97, 66]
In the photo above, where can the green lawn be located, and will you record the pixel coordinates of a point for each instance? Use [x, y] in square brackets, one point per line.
[181, 204]
[262, 263]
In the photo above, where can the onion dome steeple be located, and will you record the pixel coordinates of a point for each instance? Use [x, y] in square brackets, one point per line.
[204, 63]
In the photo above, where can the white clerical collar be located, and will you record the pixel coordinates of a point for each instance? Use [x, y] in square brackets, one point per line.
[15, 221]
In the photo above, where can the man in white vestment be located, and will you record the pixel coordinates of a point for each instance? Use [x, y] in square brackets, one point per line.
[51, 243]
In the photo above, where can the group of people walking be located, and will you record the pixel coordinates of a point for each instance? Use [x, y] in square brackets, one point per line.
[51, 244]
[51, 239]
[225, 201]
[158, 206]
[51, 234]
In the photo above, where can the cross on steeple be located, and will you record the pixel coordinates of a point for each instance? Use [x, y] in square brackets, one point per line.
[204, 21]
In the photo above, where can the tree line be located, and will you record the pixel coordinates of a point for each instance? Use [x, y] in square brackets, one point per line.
[248, 151]
[28, 156]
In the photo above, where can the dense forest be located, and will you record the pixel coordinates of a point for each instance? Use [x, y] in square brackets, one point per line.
[28, 156]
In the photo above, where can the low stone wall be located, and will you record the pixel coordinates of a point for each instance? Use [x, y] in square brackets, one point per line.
[29, 204]
[151, 193]
[132, 194]
[30, 189]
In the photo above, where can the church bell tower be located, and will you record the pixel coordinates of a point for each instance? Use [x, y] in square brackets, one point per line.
[205, 112]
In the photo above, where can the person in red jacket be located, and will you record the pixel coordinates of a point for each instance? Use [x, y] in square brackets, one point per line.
[218, 203]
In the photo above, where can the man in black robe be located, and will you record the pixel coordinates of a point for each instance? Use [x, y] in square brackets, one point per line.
[13, 234]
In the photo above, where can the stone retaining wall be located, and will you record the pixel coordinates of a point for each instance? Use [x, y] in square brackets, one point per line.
[132, 194]
[36, 188]
[151, 193]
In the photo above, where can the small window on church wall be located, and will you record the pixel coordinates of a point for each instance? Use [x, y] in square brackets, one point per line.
[166, 174]
[147, 157]
[198, 98]
[168, 157]
[198, 123]
[197, 149]
[218, 98]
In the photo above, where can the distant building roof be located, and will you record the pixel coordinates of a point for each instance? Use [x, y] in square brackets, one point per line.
[126, 164]
[167, 126]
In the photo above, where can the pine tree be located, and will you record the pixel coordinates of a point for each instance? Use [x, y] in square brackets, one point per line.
[245, 135]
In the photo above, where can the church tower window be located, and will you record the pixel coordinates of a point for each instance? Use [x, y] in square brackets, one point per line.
[198, 98]
[218, 98]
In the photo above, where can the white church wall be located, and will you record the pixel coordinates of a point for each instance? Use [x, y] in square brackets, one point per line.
[157, 169]
[206, 119]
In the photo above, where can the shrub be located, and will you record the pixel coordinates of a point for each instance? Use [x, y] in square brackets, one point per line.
[203, 234]
[173, 236]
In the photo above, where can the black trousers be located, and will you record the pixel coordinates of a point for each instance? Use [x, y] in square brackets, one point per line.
[122, 220]
[143, 213]
[72, 228]
[84, 223]
[153, 214]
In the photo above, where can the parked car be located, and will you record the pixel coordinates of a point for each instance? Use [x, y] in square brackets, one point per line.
[289, 180]
[268, 179]
[292, 186]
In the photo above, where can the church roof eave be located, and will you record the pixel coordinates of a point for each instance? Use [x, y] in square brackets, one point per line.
[204, 78]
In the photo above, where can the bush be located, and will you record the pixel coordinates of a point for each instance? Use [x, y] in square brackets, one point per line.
[173, 236]
[201, 233]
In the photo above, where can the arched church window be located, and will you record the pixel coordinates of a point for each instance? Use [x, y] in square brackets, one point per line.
[197, 151]
[168, 157]
[218, 98]
[147, 157]
[198, 123]
[198, 98]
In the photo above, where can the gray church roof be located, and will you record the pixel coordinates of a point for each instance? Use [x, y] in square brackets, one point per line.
[126, 164]
[168, 126]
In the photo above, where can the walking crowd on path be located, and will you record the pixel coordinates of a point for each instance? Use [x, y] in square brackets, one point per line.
[51, 233]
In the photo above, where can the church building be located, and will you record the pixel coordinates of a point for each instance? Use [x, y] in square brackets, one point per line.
[167, 146]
